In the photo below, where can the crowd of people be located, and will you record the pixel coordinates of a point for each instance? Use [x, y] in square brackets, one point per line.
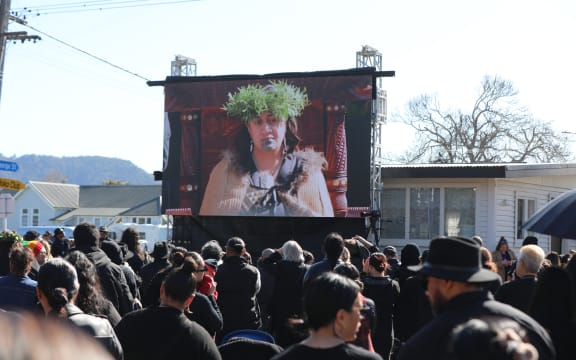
[455, 300]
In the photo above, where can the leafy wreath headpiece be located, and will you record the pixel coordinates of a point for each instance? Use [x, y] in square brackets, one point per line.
[10, 236]
[280, 98]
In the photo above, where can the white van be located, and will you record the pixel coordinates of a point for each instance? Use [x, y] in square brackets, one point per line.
[149, 234]
[68, 230]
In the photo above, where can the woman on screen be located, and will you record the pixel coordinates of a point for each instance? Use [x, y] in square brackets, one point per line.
[266, 173]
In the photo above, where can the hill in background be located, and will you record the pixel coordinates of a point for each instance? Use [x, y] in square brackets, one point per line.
[80, 170]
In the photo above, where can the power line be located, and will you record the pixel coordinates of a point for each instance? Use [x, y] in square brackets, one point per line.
[97, 5]
[87, 53]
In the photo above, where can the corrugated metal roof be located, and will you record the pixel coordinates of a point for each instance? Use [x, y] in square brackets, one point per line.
[504, 170]
[58, 195]
[149, 208]
[118, 196]
[96, 212]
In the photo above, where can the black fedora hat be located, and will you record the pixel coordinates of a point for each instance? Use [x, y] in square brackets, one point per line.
[455, 258]
[160, 250]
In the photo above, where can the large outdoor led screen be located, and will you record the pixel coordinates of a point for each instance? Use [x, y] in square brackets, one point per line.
[295, 145]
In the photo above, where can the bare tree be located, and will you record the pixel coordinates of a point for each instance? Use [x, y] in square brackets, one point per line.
[497, 129]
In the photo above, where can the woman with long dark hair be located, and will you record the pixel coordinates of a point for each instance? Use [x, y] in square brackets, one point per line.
[385, 292]
[57, 291]
[333, 305]
[136, 257]
[265, 173]
[90, 298]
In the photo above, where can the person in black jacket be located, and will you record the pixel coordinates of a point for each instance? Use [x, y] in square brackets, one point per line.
[164, 332]
[112, 279]
[519, 292]
[57, 289]
[238, 285]
[454, 277]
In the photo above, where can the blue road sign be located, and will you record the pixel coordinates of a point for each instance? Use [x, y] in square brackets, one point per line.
[8, 166]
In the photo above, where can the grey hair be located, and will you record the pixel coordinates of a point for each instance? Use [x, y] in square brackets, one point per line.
[532, 256]
[292, 251]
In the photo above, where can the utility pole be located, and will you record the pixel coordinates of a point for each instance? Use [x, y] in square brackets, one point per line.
[5, 35]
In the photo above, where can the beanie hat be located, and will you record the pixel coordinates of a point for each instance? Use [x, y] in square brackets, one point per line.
[35, 246]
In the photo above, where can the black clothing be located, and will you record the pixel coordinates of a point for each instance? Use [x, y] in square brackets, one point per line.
[60, 248]
[517, 293]
[112, 279]
[238, 285]
[412, 310]
[384, 292]
[148, 271]
[164, 332]
[319, 268]
[431, 341]
[97, 327]
[243, 348]
[152, 295]
[341, 352]
[286, 300]
[204, 310]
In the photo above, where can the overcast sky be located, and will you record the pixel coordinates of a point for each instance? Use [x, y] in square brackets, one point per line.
[61, 101]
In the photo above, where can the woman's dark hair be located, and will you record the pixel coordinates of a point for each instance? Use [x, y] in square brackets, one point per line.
[325, 295]
[410, 255]
[378, 261]
[350, 271]
[180, 282]
[130, 237]
[90, 298]
[241, 145]
[554, 258]
[177, 256]
[58, 281]
[501, 242]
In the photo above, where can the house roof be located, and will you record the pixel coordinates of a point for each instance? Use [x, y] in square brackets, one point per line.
[153, 206]
[110, 212]
[476, 170]
[117, 196]
[57, 195]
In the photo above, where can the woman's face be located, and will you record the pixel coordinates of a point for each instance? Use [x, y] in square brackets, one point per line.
[503, 247]
[267, 132]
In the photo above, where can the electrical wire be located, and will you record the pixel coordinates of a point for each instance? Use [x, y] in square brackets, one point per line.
[96, 5]
[87, 53]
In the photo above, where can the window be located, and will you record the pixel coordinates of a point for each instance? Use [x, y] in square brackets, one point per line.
[424, 213]
[393, 213]
[460, 212]
[24, 218]
[525, 208]
[35, 217]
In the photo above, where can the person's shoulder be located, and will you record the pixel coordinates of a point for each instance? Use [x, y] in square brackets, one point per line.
[356, 352]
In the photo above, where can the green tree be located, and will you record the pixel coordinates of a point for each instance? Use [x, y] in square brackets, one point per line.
[497, 129]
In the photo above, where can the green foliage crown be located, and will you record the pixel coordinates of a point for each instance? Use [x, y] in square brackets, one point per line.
[280, 98]
[10, 236]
